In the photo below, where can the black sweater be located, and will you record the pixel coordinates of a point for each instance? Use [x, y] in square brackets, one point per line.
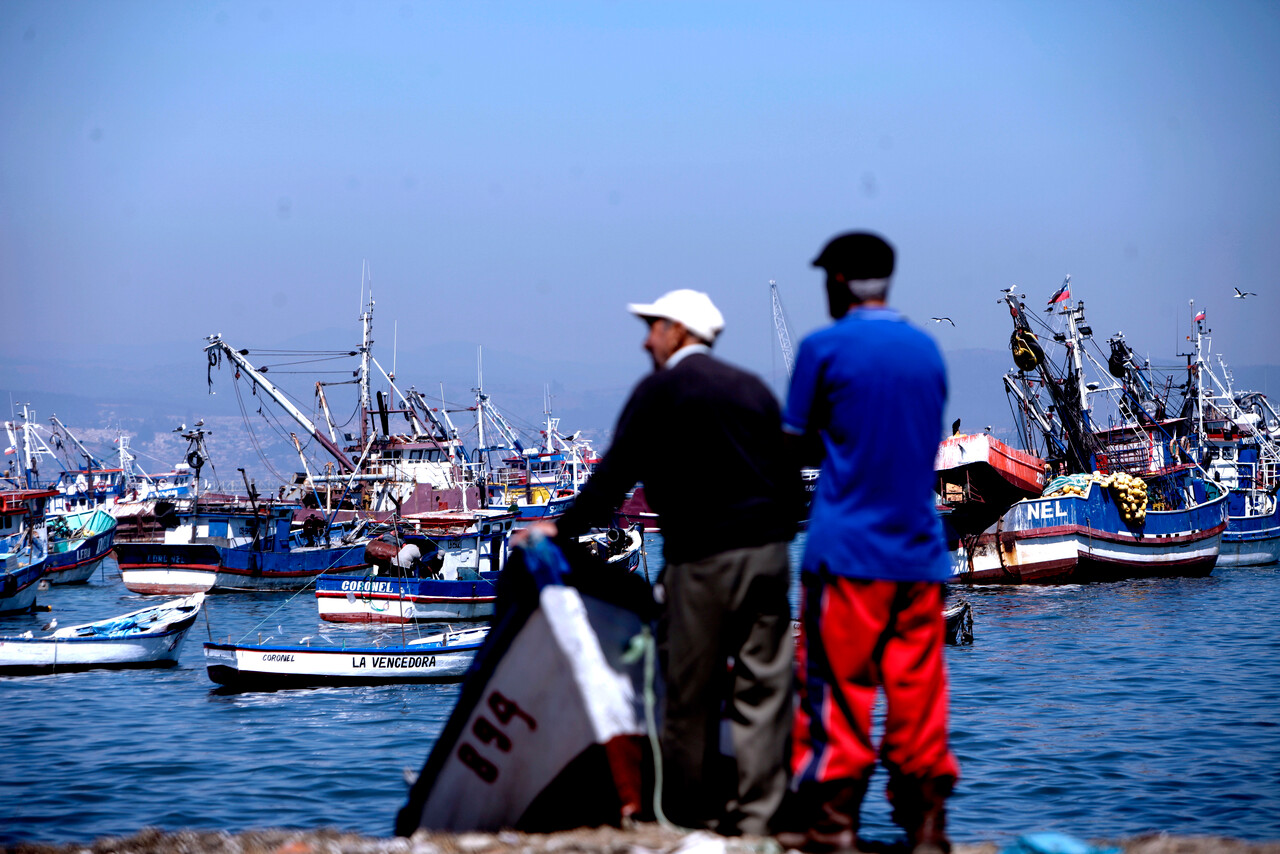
[705, 438]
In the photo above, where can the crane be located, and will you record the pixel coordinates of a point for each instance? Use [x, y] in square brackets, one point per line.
[780, 324]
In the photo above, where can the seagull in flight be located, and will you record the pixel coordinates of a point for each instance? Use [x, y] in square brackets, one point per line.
[1242, 294]
[940, 319]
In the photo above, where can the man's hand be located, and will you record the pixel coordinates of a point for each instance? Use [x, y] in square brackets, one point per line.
[546, 529]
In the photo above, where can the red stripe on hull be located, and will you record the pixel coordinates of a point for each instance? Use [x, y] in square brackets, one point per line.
[178, 567]
[385, 597]
[264, 573]
[1102, 536]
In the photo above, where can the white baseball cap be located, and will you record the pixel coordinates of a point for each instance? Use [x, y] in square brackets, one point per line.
[694, 309]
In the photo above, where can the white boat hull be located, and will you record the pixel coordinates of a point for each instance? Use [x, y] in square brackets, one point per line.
[81, 648]
[366, 608]
[256, 666]
[170, 581]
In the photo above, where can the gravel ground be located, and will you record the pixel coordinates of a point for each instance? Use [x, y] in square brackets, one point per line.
[639, 839]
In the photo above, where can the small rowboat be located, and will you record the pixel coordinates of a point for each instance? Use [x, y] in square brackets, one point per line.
[443, 657]
[151, 637]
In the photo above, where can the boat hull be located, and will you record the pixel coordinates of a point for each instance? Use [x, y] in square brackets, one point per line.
[259, 667]
[74, 561]
[18, 656]
[161, 568]
[67, 650]
[166, 568]
[18, 588]
[1073, 539]
[345, 599]
[1251, 541]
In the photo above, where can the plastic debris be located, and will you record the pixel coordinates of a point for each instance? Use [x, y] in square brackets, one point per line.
[1051, 842]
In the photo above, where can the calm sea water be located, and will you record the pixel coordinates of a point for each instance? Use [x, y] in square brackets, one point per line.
[1100, 710]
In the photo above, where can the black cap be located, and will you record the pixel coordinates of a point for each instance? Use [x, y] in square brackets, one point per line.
[857, 255]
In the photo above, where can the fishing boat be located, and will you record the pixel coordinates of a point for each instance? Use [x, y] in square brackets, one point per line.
[1119, 504]
[239, 545]
[396, 594]
[441, 657]
[24, 547]
[379, 470]
[1235, 437]
[150, 637]
[236, 543]
[78, 544]
[536, 483]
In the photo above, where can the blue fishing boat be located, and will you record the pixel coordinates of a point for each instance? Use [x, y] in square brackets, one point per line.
[24, 547]
[1119, 502]
[439, 587]
[78, 544]
[231, 543]
[236, 545]
[1235, 437]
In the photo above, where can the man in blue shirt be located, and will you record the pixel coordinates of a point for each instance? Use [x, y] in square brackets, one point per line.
[867, 395]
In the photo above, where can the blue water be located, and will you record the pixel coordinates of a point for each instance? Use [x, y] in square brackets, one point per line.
[1102, 710]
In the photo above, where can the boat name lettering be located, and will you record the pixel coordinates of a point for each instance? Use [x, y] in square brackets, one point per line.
[1046, 510]
[367, 586]
[277, 656]
[505, 710]
[394, 662]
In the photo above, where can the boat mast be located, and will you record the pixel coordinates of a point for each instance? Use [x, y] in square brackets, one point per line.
[90, 459]
[366, 323]
[237, 357]
[481, 398]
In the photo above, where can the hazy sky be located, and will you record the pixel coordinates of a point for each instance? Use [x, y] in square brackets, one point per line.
[514, 173]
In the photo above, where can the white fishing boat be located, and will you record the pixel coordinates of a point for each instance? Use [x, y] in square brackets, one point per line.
[442, 657]
[150, 637]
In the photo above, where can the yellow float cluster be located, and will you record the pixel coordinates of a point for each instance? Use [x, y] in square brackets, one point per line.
[1130, 494]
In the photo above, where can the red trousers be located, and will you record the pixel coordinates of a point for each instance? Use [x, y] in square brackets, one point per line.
[857, 636]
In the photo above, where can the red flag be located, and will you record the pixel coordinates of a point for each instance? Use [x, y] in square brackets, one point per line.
[1200, 316]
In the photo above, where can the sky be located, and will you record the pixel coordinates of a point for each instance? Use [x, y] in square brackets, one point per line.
[513, 174]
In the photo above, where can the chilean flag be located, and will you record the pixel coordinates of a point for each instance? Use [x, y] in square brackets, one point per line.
[1200, 316]
[1062, 293]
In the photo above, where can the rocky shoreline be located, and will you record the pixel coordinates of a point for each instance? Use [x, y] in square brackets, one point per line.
[638, 839]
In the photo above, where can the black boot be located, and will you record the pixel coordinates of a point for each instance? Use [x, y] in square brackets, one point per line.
[822, 818]
[920, 808]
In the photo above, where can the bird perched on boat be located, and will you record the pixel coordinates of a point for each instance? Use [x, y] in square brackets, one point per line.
[1242, 294]
[955, 427]
[50, 626]
[941, 319]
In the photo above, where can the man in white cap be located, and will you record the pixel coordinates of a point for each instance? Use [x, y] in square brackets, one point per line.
[705, 438]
